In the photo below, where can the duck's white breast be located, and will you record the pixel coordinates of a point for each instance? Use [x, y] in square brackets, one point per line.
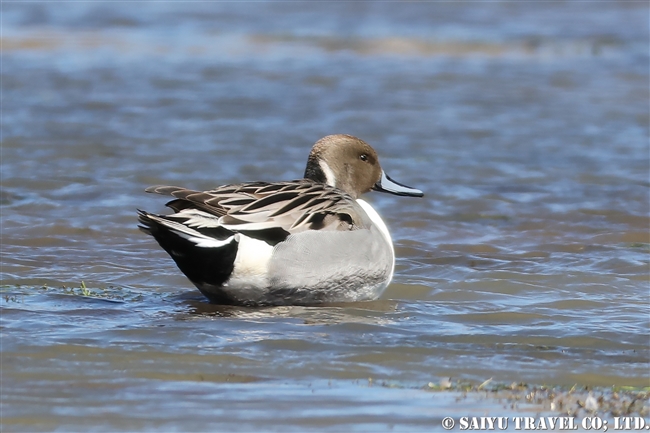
[381, 225]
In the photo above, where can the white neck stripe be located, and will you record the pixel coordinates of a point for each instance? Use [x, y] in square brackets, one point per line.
[329, 174]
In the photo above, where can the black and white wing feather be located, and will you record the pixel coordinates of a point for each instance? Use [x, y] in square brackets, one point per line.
[258, 206]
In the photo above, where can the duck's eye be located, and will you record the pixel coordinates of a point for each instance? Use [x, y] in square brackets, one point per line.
[363, 157]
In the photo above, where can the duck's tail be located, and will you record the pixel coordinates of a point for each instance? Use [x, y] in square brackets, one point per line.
[203, 250]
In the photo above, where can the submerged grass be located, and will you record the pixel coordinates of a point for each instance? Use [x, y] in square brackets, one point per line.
[575, 401]
[640, 245]
[109, 292]
[112, 293]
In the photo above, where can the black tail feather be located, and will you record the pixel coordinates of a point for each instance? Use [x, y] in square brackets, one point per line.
[202, 265]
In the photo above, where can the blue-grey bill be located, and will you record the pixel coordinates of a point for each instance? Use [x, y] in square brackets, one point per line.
[386, 184]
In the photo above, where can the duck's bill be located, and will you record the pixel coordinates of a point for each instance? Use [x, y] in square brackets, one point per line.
[386, 184]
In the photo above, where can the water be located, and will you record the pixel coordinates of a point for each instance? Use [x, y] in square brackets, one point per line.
[526, 125]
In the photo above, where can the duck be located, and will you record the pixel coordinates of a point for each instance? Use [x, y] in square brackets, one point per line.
[308, 241]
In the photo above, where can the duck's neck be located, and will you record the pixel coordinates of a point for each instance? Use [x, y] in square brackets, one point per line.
[315, 172]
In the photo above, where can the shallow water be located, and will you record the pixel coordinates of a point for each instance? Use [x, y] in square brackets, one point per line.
[526, 125]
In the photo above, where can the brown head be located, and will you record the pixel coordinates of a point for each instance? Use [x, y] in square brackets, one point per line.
[351, 165]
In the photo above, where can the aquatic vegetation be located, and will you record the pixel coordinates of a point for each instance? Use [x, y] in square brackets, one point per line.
[640, 245]
[14, 293]
[573, 401]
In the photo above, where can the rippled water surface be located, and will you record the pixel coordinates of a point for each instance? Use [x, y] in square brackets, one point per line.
[526, 124]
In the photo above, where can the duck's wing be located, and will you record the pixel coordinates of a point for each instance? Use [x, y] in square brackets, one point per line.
[257, 206]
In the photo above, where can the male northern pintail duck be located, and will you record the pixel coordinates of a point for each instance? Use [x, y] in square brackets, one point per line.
[302, 242]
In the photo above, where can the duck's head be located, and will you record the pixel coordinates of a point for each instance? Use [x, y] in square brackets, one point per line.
[351, 165]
